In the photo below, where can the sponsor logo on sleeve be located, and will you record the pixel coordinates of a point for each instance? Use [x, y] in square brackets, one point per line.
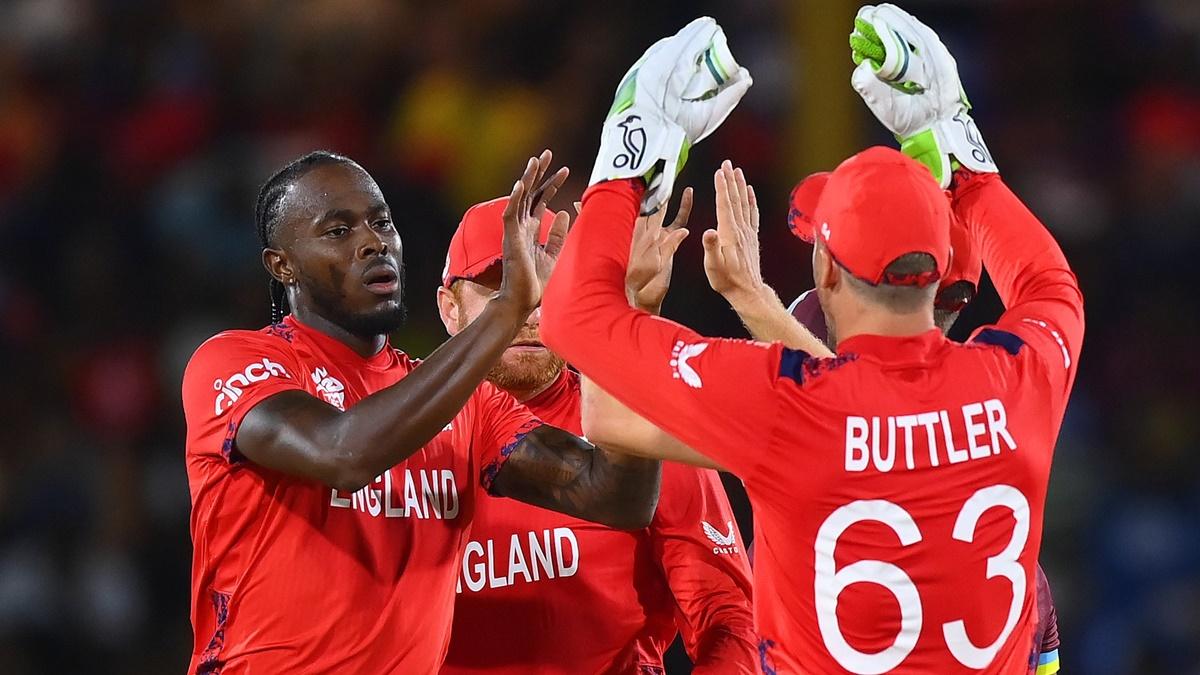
[230, 389]
[725, 543]
[680, 355]
[330, 388]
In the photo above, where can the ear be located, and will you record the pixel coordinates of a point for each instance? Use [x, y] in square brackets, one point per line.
[825, 273]
[448, 309]
[278, 265]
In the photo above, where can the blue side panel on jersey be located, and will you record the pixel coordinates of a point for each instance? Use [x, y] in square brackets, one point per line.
[792, 364]
[1010, 342]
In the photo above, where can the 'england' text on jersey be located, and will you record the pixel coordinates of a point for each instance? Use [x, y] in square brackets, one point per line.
[430, 493]
[532, 556]
[888, 443]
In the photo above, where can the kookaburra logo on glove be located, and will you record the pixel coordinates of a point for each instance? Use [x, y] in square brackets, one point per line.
[634, 140]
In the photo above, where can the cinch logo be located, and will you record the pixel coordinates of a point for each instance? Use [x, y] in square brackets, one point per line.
[679, 362]
[332, 390]
[229, 390]
[725, 543]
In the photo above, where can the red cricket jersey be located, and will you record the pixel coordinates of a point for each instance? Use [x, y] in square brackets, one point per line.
[291, 576]
[898, 487]
[542, 592]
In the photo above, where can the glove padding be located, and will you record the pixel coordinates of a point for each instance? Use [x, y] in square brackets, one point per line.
[677, 94]
[910, 82]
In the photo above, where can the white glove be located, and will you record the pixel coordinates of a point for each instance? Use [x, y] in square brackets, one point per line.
[678, 93]
[910, 82]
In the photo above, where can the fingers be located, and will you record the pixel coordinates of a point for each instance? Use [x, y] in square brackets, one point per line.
[739, 182]
[753, 208]
[549, 189]
[513, 207]
[724, 205]
[578, 207]
[685, 211]
[558, 233]
[672, 241]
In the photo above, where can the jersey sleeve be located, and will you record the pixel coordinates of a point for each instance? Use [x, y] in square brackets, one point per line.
[715, 395]
[695, 538]
[1044, 306]
[226, 377]
[500, 424]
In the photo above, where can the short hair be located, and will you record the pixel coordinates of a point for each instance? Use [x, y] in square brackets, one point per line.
[906, 298]
[268, 212]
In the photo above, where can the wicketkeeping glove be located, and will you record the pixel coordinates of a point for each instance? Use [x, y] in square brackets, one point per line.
[910, 82]
[678, 93]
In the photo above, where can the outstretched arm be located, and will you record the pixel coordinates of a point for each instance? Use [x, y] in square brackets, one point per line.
[607, 421]
[731, 262]
[298, 434]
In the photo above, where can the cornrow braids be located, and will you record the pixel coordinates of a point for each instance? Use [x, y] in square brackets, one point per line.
[267, 210]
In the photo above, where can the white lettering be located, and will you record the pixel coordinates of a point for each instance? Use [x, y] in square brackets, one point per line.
[856, 443]
[882, 464]
[561, 534]
[475, 583]
[340, 502]
[493, 580]
[928, 420]
[907, 423]
[449, 495]
[429, 496]
[955, 456]
[412, 506]
[389, 511]
[516, 560]
[997, 421]
[974, 429]
[540, 553]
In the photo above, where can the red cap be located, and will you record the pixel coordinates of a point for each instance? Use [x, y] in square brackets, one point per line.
[965, 263]
[803, 204]
[478, 242]
[880, 205]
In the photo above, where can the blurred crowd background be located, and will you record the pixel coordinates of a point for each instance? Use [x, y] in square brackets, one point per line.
[134, 135]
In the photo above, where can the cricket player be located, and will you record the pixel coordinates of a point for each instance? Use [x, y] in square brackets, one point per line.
[898, 486]
[333, 479]
[600, 600]
[955, 290]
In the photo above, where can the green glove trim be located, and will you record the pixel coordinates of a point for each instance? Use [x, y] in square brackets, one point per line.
[923, 147]
[625, 94]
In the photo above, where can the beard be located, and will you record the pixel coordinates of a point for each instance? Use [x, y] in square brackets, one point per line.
[382, 321]
[526, 372]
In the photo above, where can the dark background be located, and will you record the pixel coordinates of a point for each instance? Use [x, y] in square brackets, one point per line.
[134, 134]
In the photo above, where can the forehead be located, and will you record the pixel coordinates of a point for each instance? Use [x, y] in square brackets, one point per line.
[331, 187]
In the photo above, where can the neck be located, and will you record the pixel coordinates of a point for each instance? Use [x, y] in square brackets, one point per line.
[883, 323]
[364, 346]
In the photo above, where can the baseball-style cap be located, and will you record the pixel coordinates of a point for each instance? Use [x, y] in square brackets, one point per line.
[478, 242]
[965, 262]
[802, 204]
[878, 206]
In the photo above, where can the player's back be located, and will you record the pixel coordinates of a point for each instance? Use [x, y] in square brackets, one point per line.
[918, 466]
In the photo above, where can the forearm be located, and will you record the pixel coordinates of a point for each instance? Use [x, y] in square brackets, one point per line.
[556, 470]
[609, 423]
[765, 316]
[299, 435]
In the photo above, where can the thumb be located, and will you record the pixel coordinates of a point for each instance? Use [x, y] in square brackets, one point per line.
[865, 82]
[558, 233]
[672, 241]
[712, 247]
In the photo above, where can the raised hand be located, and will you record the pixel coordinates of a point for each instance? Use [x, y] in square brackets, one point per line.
[652, 254]
[909, 80]
[526, 265]
[731, 253]
[674, 96]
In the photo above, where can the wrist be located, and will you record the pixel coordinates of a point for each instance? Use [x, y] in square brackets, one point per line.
[751, 301]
